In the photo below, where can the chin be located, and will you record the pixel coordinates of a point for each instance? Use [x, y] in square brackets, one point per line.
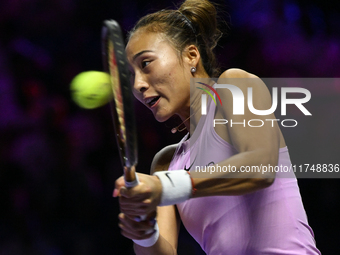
[161, 118]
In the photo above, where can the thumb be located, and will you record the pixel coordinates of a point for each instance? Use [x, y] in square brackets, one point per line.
[115, 193]
[118, 185]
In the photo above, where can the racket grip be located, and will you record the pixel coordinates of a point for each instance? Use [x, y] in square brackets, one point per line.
[131, 184]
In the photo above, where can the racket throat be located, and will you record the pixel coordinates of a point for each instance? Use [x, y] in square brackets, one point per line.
[129, 174]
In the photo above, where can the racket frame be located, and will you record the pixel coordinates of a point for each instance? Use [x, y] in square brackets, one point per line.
[122, 111]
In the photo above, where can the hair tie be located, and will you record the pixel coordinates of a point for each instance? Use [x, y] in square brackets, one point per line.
[188, 22]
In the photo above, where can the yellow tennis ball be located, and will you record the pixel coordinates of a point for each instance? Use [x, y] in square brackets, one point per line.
[91, 89]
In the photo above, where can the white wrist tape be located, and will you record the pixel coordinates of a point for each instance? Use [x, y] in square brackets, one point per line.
[151, 240]
[133, 183]
[177, 186]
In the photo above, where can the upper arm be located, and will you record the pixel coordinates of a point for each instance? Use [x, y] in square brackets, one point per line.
[162, 159]
[167, 216]
[243, 136]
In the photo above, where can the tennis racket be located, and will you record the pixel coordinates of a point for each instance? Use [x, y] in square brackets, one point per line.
[115, 64]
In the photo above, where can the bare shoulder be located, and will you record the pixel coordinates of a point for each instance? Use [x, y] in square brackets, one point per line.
[242, 79]
[236, 73]
[162, 159]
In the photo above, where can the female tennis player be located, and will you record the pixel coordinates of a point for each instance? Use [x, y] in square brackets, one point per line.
[242, 213]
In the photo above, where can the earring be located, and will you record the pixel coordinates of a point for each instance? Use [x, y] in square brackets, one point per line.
[193, 69]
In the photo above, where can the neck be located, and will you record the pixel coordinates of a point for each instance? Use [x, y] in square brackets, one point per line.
[192, 112]
[191, 116]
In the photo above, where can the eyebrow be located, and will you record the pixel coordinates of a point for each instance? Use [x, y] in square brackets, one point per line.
[140, 53]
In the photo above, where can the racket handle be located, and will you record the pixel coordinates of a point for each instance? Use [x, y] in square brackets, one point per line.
[130, 177]
[133, 183]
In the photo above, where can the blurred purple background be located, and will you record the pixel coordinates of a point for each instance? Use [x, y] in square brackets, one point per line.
[58, 163]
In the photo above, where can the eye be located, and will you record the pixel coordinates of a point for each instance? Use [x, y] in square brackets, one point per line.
[145, 63]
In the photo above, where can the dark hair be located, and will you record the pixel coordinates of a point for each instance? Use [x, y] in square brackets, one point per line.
[195, 22]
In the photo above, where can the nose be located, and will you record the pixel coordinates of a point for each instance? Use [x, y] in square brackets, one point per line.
[139, 84]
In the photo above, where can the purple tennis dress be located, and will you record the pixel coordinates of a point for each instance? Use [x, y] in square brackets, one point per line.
[268, 221]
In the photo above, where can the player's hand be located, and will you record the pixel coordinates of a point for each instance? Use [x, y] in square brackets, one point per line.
[137, 230]
[141, 199]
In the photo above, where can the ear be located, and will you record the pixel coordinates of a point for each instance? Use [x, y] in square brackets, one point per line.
[192, 55]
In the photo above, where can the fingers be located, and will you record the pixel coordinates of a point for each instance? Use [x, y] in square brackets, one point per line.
[149, 219]
[140, 192]
[141, 199]
[135, 230]
[132, 206]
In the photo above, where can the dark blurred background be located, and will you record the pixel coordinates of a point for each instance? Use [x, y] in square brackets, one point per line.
[58, 163]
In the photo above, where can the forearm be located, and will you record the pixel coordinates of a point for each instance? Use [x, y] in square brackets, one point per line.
[161, 247]
[236, 182]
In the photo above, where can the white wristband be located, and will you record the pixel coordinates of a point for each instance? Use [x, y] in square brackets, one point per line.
[151, 240]
[176, 186]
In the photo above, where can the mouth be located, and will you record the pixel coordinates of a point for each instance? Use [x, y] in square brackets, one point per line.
[152, 101]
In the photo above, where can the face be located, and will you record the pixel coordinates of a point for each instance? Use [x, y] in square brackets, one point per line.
[161, 81]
